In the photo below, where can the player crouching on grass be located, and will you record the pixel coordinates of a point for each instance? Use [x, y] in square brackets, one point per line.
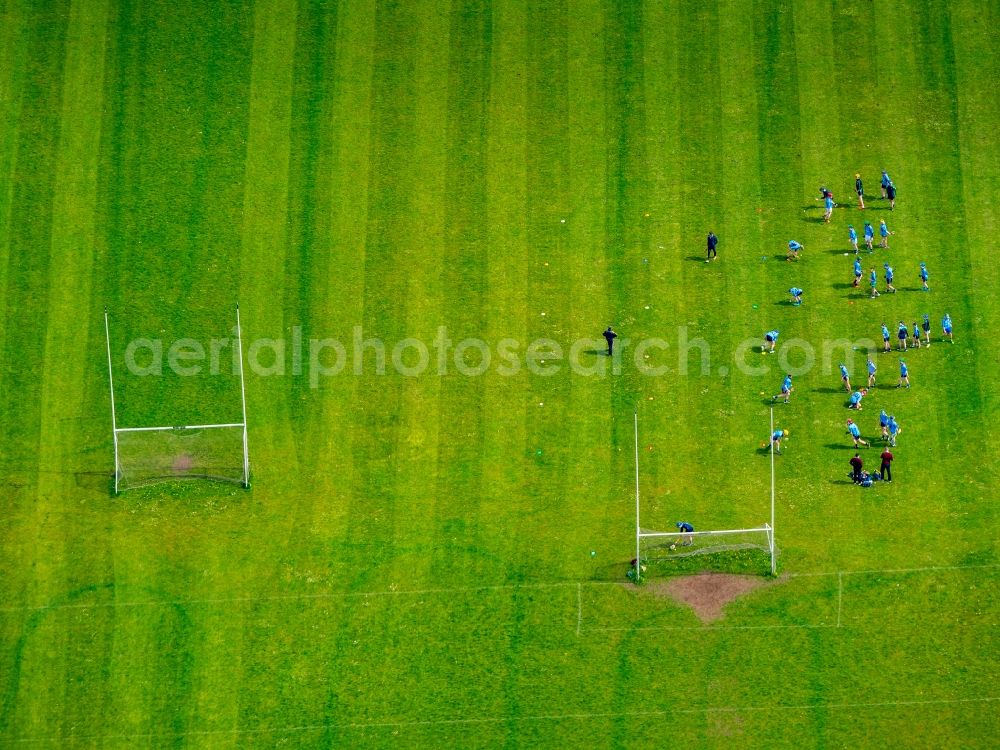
[770, 340]
[855, 401]
[796, 295]
[776, 437]
[794, 248]
[686, 530]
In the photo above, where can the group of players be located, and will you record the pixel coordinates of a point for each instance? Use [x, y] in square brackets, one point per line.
[890, 428]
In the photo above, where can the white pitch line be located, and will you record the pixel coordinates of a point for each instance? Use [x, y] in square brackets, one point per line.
[579, 607]
[710, 628]
[840, 596]
[435, 591]
[506, 719]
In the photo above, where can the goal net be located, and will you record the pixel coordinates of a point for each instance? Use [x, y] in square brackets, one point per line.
[746, 551]
[154, 453]
[149, 455]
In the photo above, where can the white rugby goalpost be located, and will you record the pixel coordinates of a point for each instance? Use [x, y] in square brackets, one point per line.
[655, 547]
[157, 453]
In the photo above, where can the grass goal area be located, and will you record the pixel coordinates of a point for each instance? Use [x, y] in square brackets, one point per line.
[152, 453]
[749, 550]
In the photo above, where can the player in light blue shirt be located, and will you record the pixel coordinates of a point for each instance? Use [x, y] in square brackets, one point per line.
[894, 430]
[770, 339]
[873, 282]
[786, 389]
[885, 335]
[946, 325]
[904, 375]
[828, 204]
[883, 421]
[794, 248]
[884, 233]
[888, 279]
[776, 438]
[858, 271]
[853, 237]
[855, 400]
[869, 237]
[856, 434]
[845, 378]
[871, 372]
[915, 343]
[796, 295]
[885, 183]
[923, 277]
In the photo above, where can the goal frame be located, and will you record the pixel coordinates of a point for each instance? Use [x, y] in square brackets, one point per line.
[765, 528]
[116, 430]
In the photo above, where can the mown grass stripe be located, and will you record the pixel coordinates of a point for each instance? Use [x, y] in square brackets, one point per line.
[339, 308]
[264, 250]
[508, 259]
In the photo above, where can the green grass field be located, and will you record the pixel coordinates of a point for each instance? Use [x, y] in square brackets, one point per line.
[412, 566]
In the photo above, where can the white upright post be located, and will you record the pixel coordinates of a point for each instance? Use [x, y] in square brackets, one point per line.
[638, 563]
[111, 384]
[243, 397]
[771, 535]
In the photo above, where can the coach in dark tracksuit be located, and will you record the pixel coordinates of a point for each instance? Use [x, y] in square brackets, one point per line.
[610, 337]
[856, 465]
[712, 242]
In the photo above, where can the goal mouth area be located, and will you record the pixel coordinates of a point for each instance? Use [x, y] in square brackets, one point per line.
[735, 551]
[154, 455]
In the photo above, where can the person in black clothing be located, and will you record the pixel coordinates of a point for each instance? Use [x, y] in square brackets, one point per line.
[610, 337]
[890, 193]
[859, 188]
[712, 242]
[856, 465]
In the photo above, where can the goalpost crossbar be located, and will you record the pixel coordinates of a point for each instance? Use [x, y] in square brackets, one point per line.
[178, 427]
[689, 534]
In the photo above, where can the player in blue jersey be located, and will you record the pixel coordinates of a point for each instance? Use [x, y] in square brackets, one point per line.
[884, 233]
[828, 204]
[915, 341]
[776, 437]
[794, 248]
[852, 237]
[770, 339]
[858, 272]
[869, 237]
[888, 278]
[686, 531]
[873, 283]
[856, 434]
[904, 374]
[946, 325]
[923, 276]
[883, 421]
[885, 338]
[894, 430]
[786, 389]
[926, 325]
[872, 369]
[845, 377]
[796, 295]
[885, 182]
[855, 401]
[901, 334]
